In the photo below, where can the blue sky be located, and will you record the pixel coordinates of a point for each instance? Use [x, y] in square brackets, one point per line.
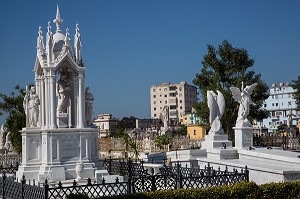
[129, 45]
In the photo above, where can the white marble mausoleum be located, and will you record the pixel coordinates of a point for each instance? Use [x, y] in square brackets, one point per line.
[59, 141]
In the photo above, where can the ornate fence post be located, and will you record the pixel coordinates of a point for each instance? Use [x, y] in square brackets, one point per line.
[46, 186]
[109, 165]
[129, 163]
[129, 188]
[3, 184]
[180, 179]
[247, 173]
[23, 182]
[153, 186]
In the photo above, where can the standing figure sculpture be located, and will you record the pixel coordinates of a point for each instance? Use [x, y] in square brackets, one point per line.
[216, 105]
[165, 117]
[31, 106]
[8, 144]
[243, 97]
[2, 138]
[63, 92]
[89, 102]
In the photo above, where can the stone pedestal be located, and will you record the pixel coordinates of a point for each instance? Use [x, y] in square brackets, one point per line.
[62, 120]
[215, 141]
[243, 137]
[59, 154]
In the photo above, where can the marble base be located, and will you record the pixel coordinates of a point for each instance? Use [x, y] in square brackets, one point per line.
[222, 154]
[243, 137]
[53, 154]
[215, 141]
[62, 120]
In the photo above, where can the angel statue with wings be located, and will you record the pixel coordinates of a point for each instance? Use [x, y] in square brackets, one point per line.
[243, 97]
[216, 105]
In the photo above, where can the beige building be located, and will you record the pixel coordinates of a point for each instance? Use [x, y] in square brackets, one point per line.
[106, 124]
[179, 98]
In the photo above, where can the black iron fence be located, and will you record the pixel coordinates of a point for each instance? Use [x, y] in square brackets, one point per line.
[9, 188]
[124, 167]
[139, 180]
[285, 142]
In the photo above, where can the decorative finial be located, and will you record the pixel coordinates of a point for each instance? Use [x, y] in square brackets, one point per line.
[40, 32]
[67, 38]
[58, 20]
[49, 27]
[77, 29]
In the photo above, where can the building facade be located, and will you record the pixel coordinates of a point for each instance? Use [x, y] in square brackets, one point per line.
[282, 107]
[196, 131]
[179, 98]
[106, 123]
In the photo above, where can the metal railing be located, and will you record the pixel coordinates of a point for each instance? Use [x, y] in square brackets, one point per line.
[139, 180]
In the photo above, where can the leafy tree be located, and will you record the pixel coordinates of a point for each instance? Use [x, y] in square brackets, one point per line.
[130, 143]
[181, 131]
[12, 106]
[296, 85]
[126, 123]
[223, 68]
[282, 128]
[162, 140]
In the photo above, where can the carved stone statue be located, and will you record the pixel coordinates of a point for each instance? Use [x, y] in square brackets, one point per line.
[63, 92]
[243, 97]
[216, 105]
[8, 144]
[165, 117]
[2, 139]
[89, 102]
[31, 106]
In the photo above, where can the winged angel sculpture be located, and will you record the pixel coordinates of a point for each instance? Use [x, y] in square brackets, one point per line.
[216, 105]
[243, 97]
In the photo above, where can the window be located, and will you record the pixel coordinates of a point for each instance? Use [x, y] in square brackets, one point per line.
[276, 104]
[166, 95]
[154, 90]
[265, 105]
[173, 107]
[180, 107]
[166, 102]
[180, 101]
[154, 109]
[154, 102]
[159, 101]
[154, 96]
[154, 115]
[180, 95]
[289, 103]
[195, 133]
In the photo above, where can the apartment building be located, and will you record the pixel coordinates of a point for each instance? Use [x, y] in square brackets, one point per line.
[179, 98]
[106, 124]
[282, 107]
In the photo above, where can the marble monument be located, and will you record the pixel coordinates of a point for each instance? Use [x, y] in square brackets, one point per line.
[243, 129]
[58, 142]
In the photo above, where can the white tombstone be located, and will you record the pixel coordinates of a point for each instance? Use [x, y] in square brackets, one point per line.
[56, 143]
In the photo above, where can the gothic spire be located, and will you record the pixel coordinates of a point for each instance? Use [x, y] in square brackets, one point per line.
[58, 20]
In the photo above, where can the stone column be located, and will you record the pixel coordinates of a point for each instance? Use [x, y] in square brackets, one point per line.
[74, 116]
[81, 104]
[52, 84]
[46, 102]
[42, 104]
